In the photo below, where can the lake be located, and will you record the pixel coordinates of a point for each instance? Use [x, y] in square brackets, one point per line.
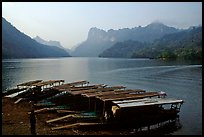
[179, 79]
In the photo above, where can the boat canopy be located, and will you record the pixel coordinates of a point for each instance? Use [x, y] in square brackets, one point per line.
[146, 102]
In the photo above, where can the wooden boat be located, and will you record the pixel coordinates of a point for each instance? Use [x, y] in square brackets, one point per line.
[29, 83]
[144, 111]
[114, 105]
[12, 91]
[16, 94]
[40, 95]
[20, 87]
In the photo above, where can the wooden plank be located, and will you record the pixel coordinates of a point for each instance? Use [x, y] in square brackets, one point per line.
[68, 111]
[78, 83]
[112, 88]
[86, 124]
[129, 101]
[49, 82]
[126, 95]
[97, 93]
[115, 92]
[66, 126]
[67, 86]
[87, 87]
[59, 118]
[82, 88]
[62, 87]
[56, 108]
[74, 125]
[18, 100]
[17, 93]
[112, 94]
[81, 116]
[105, 89]
[12, 91]
[129, 96]
[29, 83]
[90, 86]
[43, 105]
[83, 91]
[53, 108]
[68, 116]
[132, 90]
[39, 110]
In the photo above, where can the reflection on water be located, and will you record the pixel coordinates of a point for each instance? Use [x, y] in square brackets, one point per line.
[178, 79]
[164, 128]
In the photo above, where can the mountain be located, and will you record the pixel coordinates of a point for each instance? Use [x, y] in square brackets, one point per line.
[49, 43]
[16, 44]
[123, 49]
[99, 40]
[186, 44]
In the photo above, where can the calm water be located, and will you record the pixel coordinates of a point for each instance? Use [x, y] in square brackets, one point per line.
[181, 80]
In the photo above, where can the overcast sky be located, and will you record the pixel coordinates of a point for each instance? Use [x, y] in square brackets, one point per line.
[69, 22]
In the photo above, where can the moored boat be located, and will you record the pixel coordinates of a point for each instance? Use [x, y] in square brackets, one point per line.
[113, 105]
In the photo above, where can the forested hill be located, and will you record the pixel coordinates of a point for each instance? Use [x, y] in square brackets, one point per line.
[186, 44]
[16, 44]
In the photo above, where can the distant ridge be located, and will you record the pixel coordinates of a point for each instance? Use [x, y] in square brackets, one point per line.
[185, 44]
[16, 44]
[49, 43]
[99, 40]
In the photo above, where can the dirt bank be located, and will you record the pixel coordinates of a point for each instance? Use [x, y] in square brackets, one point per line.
[15, 121]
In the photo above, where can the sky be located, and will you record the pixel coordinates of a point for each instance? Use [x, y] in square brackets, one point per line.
[69, 22]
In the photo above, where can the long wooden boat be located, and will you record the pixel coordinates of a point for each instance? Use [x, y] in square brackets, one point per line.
[12, 91]
[143, 111]
[29, 83]
[40, 95]
[20, 87]
[16, 94]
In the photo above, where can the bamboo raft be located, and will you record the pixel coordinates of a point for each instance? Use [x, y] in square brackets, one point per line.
[110, 104]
